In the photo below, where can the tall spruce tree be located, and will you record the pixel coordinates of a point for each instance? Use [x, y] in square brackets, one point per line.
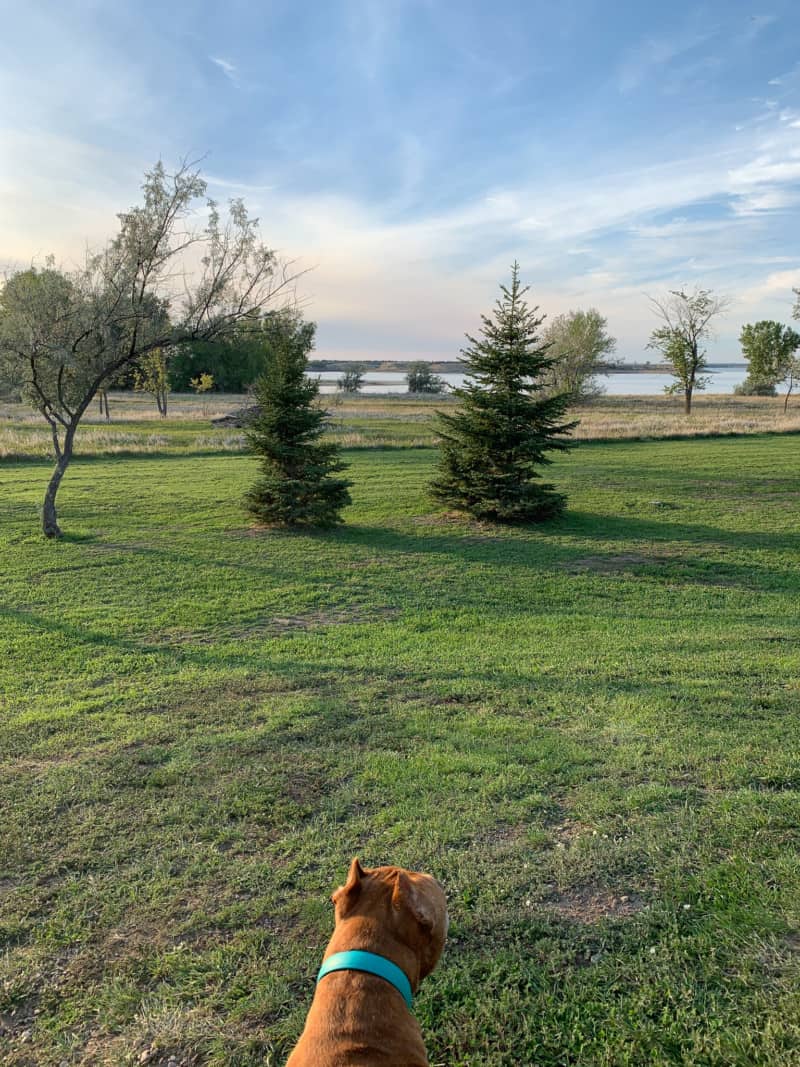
[297, 485]
[493, 448]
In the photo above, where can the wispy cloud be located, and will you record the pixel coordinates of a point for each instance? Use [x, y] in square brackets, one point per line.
[652, 54]
[236, 186]
[787, 78]
[411, 157]
[227, 68]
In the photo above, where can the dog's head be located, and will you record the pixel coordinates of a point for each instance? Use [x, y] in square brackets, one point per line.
[410, 903]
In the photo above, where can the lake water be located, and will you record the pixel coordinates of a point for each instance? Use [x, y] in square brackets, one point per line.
[375, 382]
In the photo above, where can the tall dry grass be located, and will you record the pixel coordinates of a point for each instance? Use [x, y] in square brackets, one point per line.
[373, 421]
[655, 417]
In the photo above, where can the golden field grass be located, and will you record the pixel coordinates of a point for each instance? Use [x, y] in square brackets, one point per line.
[379, 421]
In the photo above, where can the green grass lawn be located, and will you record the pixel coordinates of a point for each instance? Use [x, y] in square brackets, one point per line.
[588, 732]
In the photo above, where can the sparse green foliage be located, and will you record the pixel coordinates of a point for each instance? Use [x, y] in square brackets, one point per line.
[579, 342]
[151, 375]
[203, 383]
[421, 379]
[770, 350]
[493, 448]
[297, 485]
[687, 319]
[352, 379]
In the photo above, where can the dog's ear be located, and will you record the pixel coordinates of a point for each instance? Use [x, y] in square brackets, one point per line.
[406, 896]
[353, 883]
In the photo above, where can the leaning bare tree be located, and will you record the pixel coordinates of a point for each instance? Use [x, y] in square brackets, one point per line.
[686, 321]
[159, 283]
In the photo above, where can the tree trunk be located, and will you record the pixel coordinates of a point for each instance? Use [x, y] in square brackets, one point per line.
[786, 398]
[687, 400]
[161, 402]
[104, 402]
[50, 527]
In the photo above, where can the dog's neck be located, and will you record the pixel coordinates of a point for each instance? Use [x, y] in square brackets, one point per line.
[370, 935]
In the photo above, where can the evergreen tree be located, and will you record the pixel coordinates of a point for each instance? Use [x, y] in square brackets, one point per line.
[297, 485]
[493, 448]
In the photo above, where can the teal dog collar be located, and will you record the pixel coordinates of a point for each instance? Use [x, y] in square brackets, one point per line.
[370, 963]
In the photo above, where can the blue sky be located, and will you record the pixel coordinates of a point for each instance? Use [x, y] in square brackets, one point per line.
[409, 150]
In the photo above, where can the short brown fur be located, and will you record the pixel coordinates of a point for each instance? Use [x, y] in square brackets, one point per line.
[360, 1020]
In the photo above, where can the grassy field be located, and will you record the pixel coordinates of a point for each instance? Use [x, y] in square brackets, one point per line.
[588, 732]
[380, 422]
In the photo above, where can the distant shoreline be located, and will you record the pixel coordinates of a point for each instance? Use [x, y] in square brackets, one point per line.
[402, 366]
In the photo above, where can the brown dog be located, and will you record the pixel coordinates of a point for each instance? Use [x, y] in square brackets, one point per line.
[360, 1019]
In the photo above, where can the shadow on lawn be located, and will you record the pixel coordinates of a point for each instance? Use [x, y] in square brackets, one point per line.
[625, 554]
[539, 547]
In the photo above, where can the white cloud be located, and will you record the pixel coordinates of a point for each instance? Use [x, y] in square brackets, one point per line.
[227, 68]
[767, 200]
[787, 78]
[773, 291]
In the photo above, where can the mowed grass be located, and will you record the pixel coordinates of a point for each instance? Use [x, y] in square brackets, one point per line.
[588, 732]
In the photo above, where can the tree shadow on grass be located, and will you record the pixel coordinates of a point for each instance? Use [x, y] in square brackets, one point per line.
[8, 463]
[540, 547]
[79, 538]
[622, 548]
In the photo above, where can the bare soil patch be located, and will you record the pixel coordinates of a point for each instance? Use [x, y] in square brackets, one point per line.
[590, 905]
[570, 830]
[618, 564]
[279, 625]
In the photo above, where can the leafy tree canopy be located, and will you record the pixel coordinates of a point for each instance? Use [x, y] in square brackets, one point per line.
[769, 348]
[579, 342]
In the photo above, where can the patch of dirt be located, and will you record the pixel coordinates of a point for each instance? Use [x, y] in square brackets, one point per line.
[317, 619]
[34, 765]
[570, 830]
[500, 838]
[303, 786]
[591, 905]
[779, 957]
[451, 700]
[171, 1057]
[373, 561]
[460, 520]
[8, 886]
[276, 625]
[776, 784]
[614, 564]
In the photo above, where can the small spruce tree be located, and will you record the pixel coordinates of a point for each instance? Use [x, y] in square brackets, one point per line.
[493, 448]
[298, 484]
